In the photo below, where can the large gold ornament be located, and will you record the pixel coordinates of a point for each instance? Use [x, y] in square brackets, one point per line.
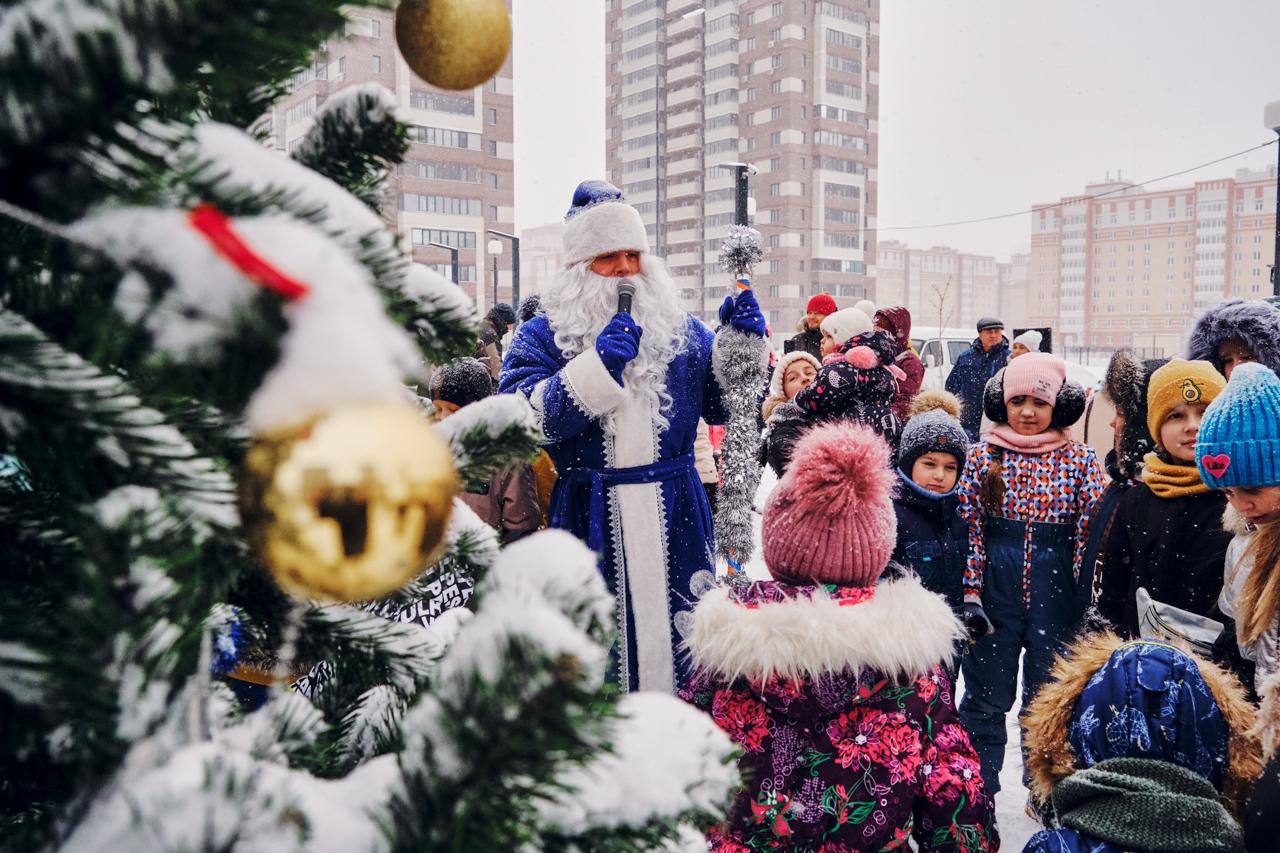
[351, 506]
[454, 44]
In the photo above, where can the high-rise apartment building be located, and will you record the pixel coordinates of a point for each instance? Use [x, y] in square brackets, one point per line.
[1011, 289]
[1124, 266]
[940, 286]
[789, 86]
[458, 177]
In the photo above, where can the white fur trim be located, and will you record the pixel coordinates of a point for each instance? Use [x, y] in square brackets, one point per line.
[775, 382]
[591, 386]
[608, 227]
[644, 557]
[900, 632]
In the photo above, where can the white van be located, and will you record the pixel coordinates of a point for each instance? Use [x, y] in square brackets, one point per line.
[940, 347]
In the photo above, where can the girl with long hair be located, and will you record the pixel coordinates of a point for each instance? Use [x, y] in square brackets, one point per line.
[1238, 451]
[1026, 493]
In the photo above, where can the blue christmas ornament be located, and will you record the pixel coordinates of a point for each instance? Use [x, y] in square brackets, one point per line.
[228, 639]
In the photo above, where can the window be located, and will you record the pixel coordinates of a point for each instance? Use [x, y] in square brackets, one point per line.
[455, 104]
[840, 241]
[376, 28]
[439, 204]
[493, 116]
[840, 190]
[444, 138]
[493, 213]
[955, 348]
[844, 90]
[456, 239]
[377, 64]
[775, 138]
[839, 38]
[932, 353]
[438, 171]
[775, 189]
[775, 267]
[493, 148]
[466, 272]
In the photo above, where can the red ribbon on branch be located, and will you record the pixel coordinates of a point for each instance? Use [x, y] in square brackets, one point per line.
[216, 228]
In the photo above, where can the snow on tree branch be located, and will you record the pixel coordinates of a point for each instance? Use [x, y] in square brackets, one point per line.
[489, 435]
[668, 763]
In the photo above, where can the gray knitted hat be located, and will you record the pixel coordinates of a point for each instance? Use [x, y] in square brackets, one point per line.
[933, 425]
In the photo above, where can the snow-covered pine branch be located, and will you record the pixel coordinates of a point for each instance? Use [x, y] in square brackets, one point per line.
[669, 765]
[38, 375]
[439, 314]
[228, 163]
[489, 435]
[355, 141]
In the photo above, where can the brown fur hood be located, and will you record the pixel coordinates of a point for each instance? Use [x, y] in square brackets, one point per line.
[1049, 757]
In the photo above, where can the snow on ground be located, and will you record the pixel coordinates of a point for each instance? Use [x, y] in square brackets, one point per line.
[1011, 817]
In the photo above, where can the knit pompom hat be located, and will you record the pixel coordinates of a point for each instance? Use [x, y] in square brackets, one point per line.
[821, 303]
[933, 426]
[1176, 382]
[462, 382]
[1036, 374]
[831, 519]
[846, 323]
[1238, 445]
[600, 221]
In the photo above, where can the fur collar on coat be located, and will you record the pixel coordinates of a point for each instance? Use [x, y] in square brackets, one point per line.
[901, 631]
[1049, 756]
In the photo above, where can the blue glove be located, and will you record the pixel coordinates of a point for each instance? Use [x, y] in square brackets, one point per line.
[618, 344]
[743, 314]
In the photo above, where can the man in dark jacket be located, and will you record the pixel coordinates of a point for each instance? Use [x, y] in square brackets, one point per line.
[981, 361]
[810, 337]
[493, 328]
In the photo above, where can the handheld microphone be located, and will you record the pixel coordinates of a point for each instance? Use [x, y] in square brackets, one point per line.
[626, 290]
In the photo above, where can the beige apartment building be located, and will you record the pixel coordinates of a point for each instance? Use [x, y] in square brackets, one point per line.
[1122, 266]
[458, 176]
[940, 286]
[789, 86]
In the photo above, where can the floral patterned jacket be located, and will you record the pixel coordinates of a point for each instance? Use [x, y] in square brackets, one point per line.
[845, 716]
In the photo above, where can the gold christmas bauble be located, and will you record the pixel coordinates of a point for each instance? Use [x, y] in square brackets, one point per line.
[351, 506]
[454, 44]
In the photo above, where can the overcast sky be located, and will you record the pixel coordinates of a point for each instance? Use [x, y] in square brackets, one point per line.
[986, 106]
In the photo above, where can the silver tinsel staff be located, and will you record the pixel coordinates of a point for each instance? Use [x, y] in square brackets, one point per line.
[740, 362]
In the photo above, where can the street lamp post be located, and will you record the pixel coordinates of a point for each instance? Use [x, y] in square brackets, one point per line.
[453, 257]
[515, 263]
[1271, 117]
[495, 249]
[742, 202]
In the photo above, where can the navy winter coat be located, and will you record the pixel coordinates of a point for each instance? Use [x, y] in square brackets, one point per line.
[933, 540]
[969, 377]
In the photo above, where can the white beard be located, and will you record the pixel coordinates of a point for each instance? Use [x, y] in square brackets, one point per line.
[579, 304]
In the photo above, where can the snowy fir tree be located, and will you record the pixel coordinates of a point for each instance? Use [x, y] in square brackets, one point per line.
[173, 293]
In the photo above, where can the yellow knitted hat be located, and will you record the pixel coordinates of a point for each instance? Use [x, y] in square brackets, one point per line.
[1180, 381]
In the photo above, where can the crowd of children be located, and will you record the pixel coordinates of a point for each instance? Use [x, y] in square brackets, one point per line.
[919, 576]
[904, 555]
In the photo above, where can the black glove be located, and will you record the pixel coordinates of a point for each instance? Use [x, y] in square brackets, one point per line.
[618, 344]
[976, 622]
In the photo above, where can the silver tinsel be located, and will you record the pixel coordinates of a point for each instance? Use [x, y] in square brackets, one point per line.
[741, 250]
[740, 361]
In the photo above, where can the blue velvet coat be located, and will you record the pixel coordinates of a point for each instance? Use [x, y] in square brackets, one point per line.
[628, 488]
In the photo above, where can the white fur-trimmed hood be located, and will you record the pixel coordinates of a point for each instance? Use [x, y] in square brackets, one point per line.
[1235, 523]
[900, 632]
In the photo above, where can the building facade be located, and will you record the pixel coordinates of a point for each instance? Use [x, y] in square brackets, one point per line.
[1011, 288]
[458, 176]
[1122, 266]
[789, 86]
[541, 256]
[940, 286]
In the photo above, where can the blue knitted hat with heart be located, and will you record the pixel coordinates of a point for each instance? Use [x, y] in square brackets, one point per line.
[1238, 445]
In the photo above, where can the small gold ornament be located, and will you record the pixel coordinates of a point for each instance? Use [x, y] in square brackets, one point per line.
[351, 506]
[454, 44]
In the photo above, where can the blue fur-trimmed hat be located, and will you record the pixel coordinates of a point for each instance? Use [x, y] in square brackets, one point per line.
[600, 221]
[1238, 445]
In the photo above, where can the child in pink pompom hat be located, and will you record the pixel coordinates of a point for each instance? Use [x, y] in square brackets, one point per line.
[835, 684]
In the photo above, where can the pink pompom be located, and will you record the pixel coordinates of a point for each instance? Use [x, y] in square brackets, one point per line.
[863, 358]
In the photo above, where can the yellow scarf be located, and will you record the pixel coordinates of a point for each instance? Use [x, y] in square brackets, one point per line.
[1169, 480]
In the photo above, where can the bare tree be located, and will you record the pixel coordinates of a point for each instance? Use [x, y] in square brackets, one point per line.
[939, 297]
